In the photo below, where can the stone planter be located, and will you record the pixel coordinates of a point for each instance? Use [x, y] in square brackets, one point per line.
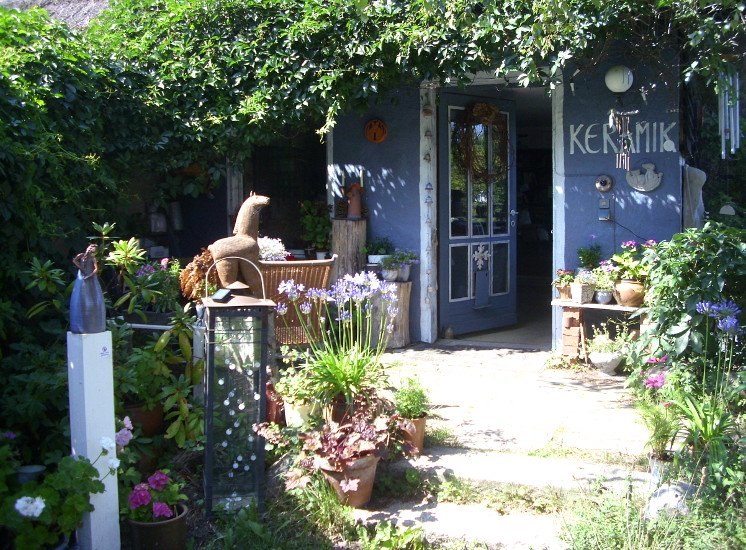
[582, 293]
[298, 414]
[389, 275]
[606, 361]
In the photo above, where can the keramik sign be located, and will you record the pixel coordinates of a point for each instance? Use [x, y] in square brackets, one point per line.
[600, 138]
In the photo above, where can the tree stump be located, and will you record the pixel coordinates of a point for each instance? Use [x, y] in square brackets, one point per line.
[348, 239]
[399, 336]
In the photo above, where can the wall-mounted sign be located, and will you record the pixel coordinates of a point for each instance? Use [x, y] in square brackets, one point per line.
[645, 137]
[375, 130]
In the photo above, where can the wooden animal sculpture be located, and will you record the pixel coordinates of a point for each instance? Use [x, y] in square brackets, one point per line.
[242, 244]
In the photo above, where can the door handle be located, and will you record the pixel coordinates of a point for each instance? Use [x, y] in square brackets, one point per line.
[514, 212]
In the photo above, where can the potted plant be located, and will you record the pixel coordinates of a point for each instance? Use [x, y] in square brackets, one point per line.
[156, 513]
[562, 283]
[631, 270]
[400, 261]
[390, 266]
[411, 404]
[582, 287]
[589, 256]
[43, 513]
[316, 225]
[378, 247]
[663, 424]
[606, 351]
[296, 388]
[347, 454]
[605, 279]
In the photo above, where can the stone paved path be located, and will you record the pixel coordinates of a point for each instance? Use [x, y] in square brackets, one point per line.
[516, 422]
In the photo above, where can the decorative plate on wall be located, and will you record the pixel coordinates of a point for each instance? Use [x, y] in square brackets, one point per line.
[375, 130]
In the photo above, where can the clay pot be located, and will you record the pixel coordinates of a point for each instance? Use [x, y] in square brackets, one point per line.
[629, 293]
[418, 437]
[150, 421]
[364, 470]
[564, 292]
[161, 535]
[275, 405]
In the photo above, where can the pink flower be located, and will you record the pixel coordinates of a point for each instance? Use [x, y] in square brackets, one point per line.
[655, 360]
[158, 481]
[127, 423]
[123, 437]
[164, 266]
[140, 496]
[655, 381]
[162, 510]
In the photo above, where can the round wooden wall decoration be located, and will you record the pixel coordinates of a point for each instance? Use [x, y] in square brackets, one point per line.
[376, 130]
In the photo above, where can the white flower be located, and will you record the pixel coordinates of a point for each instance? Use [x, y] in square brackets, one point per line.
[108, 445]
[30, 507]
[113, 463]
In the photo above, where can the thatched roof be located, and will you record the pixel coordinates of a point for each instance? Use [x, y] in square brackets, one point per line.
[76, 13]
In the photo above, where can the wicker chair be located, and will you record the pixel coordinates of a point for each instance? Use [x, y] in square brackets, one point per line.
[309, 273]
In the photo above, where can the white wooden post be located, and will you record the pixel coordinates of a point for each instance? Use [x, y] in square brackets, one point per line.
[91, 389]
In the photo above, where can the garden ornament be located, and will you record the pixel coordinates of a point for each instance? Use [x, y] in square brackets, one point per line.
[87, 309]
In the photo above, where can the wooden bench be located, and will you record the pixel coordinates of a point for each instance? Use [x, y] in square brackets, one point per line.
[309, 273]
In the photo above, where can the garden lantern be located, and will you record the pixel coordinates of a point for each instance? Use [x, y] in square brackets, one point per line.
[236, 341]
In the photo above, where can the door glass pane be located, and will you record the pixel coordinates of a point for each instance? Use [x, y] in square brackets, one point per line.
[459, 272]
[479, 179]
[499, 174]
[458, 174]
[500, 264]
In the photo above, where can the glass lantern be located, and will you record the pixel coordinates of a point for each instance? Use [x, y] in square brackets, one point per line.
[237, 342]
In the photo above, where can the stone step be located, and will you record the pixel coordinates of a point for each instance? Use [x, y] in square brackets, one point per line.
[471, 523]
[533, 471]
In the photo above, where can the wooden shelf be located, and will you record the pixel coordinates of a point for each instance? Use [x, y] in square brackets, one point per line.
[608, 307]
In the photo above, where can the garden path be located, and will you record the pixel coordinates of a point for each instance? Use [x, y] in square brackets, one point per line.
[514, 421]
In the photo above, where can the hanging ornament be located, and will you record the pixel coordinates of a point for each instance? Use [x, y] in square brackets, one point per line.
[728, 112]
[619, 121]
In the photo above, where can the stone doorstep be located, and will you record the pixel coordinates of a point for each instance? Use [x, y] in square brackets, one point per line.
[472, 523]
[500, 467]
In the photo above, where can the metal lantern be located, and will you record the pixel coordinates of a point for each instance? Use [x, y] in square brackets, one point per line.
[237, 342]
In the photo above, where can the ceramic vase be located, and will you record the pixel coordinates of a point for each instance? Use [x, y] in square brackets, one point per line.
[605, 361]
[629, 293]
[603, 296]
[403, 273]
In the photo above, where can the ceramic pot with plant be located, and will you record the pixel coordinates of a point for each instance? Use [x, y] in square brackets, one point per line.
[347, 454]
[605, 279]
[377, 248]
[390, 268]
[411, 404]
[583, 287]
[562, 283]
[156, 513]
[297, 393]
[631, 269]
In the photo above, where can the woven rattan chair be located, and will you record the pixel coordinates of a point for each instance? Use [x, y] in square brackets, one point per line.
[309, 273]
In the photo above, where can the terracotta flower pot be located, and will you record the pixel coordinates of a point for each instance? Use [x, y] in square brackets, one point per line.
[364, 471]
[629, 293]
[418, 437]
[150, 421]
[564, 292]
[169, 534]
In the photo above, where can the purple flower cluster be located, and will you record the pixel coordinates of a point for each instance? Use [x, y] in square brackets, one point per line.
[655, 381]
[629, 244]
[292, 290]
[145, 270]
[725, 312]
[143, 494]
[124, 436]
[8, 435]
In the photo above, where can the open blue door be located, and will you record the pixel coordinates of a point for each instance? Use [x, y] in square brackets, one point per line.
[477, 213]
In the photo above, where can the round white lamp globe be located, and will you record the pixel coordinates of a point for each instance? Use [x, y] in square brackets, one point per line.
[619, 79]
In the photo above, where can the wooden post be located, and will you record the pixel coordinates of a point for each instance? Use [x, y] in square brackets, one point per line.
[91, 392]
[399, 336]
[348, 239]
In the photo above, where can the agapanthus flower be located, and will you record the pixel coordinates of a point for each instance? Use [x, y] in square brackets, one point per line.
[8, 435]
[305, 308]
[292, 290]
[30, 507]
[140, 496]
[729, 325]
[162, 510]
[344, 315]
[392, 310]
[705, 308]
[656, 381]
[158, 480]
[281, 308]
[316, 294]
[127, 423]
[727, 308]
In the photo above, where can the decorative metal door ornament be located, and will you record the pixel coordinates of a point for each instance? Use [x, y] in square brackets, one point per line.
[619, 121]
[481, 255]
[644, 181]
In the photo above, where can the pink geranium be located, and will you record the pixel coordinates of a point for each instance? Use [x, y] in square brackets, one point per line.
[162, 510]
[158, 481]
[140, 496]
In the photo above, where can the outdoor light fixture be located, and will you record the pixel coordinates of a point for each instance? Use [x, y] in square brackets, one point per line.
[237, 344]
[619, 79]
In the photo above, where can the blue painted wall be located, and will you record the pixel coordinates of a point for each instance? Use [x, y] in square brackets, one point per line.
[391, 180]
[635, 215]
